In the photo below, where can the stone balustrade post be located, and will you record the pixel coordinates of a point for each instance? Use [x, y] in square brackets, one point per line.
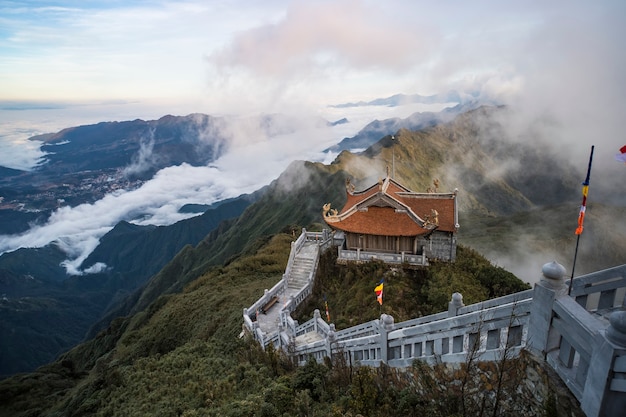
[551, 286]
[330, 339]
[316, 316]
[604, 393]
[455, 304]
[386, 324]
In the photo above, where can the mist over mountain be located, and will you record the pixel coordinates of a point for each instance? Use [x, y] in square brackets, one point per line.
[376, 129]
[518, 205]
[44, 307]
[83, 164]
[521, 210]
[403, 99]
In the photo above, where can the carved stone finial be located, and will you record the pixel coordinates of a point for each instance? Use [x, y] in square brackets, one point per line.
[331, 336]
[387, 321]
[553, 275]
[457, 299]
[616, 332]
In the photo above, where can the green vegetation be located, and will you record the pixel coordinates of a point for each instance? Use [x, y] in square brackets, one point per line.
[182, 356]
[408, 292]
[174, 347]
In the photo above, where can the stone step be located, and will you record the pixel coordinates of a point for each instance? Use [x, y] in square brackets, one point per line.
[298, 277]
[299, 281]
[302, 266]
[301, 271]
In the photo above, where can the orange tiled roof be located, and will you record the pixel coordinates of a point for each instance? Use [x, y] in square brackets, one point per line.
[390, 209]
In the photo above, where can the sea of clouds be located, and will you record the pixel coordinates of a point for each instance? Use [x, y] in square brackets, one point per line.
[253, 161]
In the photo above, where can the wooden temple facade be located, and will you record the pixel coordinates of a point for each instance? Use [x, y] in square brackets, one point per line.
[389, 222]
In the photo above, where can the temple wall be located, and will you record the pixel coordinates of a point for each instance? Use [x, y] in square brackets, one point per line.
[386, 244]
[440, 245]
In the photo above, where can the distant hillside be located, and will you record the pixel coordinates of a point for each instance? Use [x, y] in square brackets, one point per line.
[175, 351]
[181, 354]
[375, 130]
[518, 214]
[82, 164]
[44, 312]
[168, 141]
[403, 99]
[516, 202]
[289, 201]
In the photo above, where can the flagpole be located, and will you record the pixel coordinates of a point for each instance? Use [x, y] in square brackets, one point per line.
[583, 208]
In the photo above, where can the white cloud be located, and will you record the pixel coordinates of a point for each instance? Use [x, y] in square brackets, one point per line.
[254, 161]
[559, 65]
[145, 158]
[320, 35]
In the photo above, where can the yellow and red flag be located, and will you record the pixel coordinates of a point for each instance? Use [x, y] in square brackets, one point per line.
[379, 293]
[327, 312]
[583, 206]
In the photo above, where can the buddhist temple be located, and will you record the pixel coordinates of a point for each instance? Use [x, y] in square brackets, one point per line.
[389, 222]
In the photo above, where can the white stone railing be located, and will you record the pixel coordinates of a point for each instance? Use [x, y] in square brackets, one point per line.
[439, 337]
[366, 329]
[295, 247]
[276, 290]
[391, 258]
[579, 330]
[584, 338]
[323, 239]
[602, 290]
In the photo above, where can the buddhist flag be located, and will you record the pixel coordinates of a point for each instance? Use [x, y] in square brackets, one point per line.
[621, 156]
[379, 293]
[327, 313]
[583, 206]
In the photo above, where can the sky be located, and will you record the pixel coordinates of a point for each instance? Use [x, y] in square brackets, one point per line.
[560, 65]
[229, 56]
[100, 60]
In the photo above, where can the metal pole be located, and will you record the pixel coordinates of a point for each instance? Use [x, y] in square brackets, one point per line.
[571, 280]
[583, 208]
[393, 158]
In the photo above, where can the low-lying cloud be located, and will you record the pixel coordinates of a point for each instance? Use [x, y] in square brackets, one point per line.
[254, 160]
[145, 157]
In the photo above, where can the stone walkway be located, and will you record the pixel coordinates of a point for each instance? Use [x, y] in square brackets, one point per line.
[303, 264]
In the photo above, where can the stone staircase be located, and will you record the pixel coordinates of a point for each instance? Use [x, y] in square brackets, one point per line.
[303, 265]
[263, 318]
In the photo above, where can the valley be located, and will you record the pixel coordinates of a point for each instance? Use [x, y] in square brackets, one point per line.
[518, 219]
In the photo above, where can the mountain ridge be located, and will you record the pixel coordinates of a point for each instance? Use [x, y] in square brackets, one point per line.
[464, 153]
